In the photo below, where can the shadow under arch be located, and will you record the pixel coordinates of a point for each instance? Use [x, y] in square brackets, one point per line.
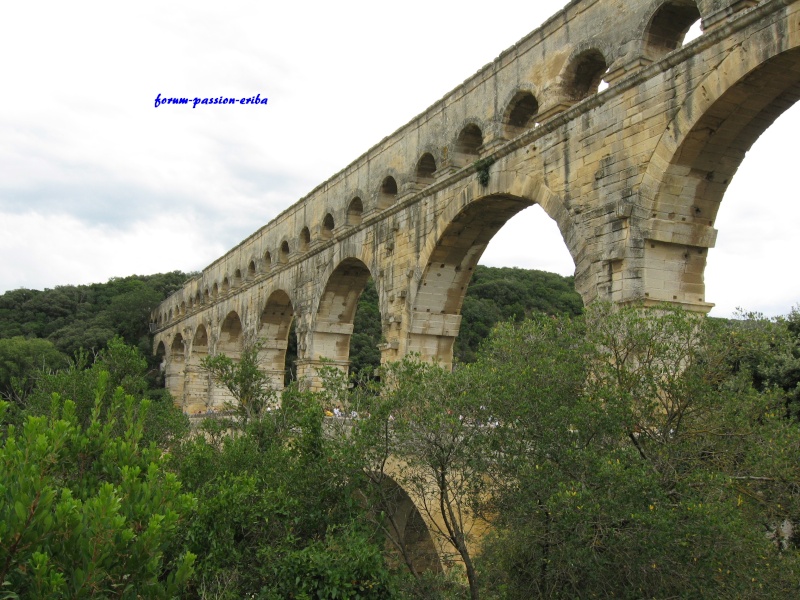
[273, 336]
[700, 152]
[197, 379]
[449, 262]
[175, 373]
[405, 528]
[230, 343]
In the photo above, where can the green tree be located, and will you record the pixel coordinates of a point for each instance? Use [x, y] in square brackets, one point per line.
[634, 462]
[21, 360]
[430, 429]
[118, 365]
[250, 387]
[279, 514]
[86, 512]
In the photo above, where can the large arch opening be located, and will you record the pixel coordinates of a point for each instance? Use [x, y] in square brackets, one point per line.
[230, 343]
[175, 370]
[437, 331]
[336, 313]
[197, 380]
[704, 161]
[365, 353]
[161, 357]
[742, 269]
[408, 537]
[275, 325]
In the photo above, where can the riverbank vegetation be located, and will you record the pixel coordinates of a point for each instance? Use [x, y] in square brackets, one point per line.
[615, 452]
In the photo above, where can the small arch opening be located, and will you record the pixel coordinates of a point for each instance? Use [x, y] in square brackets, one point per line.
[388, 192]
[585, 75]
[226, 286]
[305, 239]
[215, 291]
[284, 251]
[355, 211]
[183, 308]
[267, 262]
[251, 269]
[426, 168]
[327, 227]
[206, 296]
[521, 114]
[669, 27]
[237, 278]
[469, 143]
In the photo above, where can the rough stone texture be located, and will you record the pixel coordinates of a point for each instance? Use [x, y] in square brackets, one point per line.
[632, 175]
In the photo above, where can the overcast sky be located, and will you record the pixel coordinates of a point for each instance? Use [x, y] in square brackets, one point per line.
[95, 182]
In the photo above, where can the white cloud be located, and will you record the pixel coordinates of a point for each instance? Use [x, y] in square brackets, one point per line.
[59, 249]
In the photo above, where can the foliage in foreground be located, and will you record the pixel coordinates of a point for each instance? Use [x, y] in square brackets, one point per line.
[278, 513]
[86, 512]
[638, 460]
[627, 453]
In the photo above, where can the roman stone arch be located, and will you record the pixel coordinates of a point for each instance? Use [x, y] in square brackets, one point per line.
[387, 193]
[426, 168]
[305, 239]
[273, 336]
[328, 225]
[468, 144]
[175, 369]
[698, 155]
[436, 305]
[407, 531]
[355, 210]
[332, 321]
[230, 342]
[520, 113]
[161, 353]
[667, 26]
[283, 255]
[198, 388]
[583, 74]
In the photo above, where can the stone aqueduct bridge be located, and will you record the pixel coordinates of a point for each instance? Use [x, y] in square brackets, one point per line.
[633, 175]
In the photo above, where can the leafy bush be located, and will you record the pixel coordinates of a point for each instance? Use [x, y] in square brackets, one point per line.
[85, 511]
